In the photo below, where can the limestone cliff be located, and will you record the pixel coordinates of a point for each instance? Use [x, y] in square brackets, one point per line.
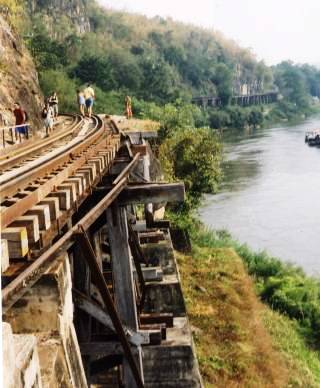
[53, 11]
[18, 76]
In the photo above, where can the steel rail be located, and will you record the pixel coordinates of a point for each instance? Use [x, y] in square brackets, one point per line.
[10, 156]
[66, 160]
[10, 294]
[19, 171]
[13, 177]
[35, 147]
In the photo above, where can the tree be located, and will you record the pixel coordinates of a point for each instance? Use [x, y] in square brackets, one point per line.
[193, 155]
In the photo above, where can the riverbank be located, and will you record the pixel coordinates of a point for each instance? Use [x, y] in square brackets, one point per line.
[239, 339]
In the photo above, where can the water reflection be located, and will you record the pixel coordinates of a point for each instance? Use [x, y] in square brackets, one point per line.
[270, 196]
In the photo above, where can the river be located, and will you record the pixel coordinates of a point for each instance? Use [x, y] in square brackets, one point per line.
[270, 194]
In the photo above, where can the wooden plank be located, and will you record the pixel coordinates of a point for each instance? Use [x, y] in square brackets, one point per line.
[152, 193]
[78, 182]
[53, 204]
[124, 294]
[17, 241]
[85, 178]
[122, 266]
[156, 318]
[99, 160]
[64, 198]
[96, 164]
[43, 214]
[141, 148]
[151, 237]
[88, 169]
[4, 255]
[72, 189]
[31, 223]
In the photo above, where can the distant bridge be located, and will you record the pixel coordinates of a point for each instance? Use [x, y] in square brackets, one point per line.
[245, 100]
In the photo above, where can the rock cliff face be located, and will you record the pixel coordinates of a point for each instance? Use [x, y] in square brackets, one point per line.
[75, 10]
[18, 77]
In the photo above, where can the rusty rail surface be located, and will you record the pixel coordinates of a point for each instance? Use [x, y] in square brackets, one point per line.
[63, 162]
[10, 158]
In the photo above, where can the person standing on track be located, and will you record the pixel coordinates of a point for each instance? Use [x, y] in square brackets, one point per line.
[89, 96]
[81, 102]
[128, 107]
[53, 102]
[48, 115]
[20, 117]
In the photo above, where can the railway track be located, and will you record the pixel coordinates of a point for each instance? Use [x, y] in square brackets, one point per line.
[20, 154]
[56, 197]
[39, 194]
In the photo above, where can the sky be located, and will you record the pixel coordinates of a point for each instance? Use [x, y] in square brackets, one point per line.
[275, 30]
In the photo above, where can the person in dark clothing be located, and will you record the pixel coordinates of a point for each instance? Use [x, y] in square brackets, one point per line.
[20, 116]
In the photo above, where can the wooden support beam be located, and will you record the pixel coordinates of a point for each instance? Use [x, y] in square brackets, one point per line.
[97, 312]
[123, 276]
[136, 379]
[149, 193]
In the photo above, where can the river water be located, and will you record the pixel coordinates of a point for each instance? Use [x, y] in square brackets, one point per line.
[270, 195]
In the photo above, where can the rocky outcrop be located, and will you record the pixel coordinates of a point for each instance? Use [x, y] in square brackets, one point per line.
[53, 10]
[19, 78]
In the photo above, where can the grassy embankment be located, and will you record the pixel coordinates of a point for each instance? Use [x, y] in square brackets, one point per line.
[240, 341]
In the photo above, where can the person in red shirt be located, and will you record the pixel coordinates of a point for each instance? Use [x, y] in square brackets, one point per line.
[20, 116]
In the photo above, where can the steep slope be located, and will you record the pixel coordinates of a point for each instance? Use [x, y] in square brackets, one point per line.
[19, 78]
[240, 342]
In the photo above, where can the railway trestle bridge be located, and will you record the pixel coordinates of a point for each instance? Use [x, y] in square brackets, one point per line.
[90, 287]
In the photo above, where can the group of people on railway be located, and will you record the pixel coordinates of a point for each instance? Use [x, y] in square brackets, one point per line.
[50, 110]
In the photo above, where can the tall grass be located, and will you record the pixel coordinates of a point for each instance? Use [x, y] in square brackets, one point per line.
[285, 287]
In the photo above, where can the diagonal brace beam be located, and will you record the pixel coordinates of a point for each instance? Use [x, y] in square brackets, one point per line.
[99, 280]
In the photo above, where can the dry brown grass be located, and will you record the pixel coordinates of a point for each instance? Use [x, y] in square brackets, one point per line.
[233, 347]
[135, 125]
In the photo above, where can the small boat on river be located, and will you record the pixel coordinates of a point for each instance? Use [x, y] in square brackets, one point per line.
[313, 137]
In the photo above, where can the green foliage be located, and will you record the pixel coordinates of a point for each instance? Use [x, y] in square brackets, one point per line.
[292, 84]
[192, 155]
[48, 53]
[58, 81]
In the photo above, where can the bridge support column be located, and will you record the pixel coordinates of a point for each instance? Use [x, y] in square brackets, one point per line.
[122, 269]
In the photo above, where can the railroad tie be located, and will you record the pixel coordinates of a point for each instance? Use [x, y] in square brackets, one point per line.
[92, 172]
[31, 223]
[78, 182]
[106, 157]
[4, 255]
[43, 214]
[17, 240]
[97, 165]
[84, 177]
[64, 198]
[72, 187]
[53, 203]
